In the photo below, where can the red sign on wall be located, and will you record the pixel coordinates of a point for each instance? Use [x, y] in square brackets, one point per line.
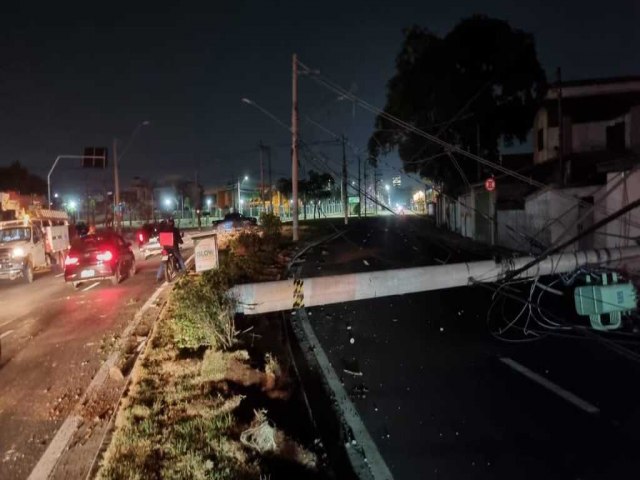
[490, 184]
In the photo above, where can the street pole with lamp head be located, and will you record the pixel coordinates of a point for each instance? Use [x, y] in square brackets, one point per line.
[294, 145]
[240, 180]
[58, 158]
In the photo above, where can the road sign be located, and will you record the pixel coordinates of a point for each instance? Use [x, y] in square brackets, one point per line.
[94, 157]
[490, 184]
[206, 251]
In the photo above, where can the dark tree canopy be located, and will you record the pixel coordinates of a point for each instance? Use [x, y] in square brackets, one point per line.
[479, 84]
[16, 177]
[283, 185]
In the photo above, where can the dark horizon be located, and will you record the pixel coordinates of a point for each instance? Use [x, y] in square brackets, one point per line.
[75, 77]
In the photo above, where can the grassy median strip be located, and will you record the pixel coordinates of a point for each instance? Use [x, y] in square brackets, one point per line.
[205, 403]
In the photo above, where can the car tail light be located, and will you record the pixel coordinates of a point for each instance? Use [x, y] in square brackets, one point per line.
[71, 260]
[105, 256]
[141, 237]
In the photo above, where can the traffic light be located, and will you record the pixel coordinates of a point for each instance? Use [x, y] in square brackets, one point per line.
[95, 157]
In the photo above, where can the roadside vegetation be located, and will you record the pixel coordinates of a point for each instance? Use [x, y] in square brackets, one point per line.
[210, 399]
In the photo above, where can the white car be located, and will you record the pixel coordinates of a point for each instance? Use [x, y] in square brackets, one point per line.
[151, 248]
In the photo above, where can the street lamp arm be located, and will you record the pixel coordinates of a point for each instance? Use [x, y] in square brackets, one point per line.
[58, 158]
[132, 137]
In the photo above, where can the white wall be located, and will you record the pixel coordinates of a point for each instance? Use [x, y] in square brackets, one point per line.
[466, 215]
[546, 217]
[513, 229]
[634, 128]
[617, 194]
[589, 136]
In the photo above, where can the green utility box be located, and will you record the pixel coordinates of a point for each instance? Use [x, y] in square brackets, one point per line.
[613, 299]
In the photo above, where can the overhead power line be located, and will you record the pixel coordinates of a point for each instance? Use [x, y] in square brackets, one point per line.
[575, 238]
[407, 126]
[322, 80]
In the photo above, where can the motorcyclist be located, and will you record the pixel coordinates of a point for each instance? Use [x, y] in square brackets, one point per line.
[170, 226]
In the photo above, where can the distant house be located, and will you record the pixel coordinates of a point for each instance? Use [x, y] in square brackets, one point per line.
[600, 138]
[600, 120]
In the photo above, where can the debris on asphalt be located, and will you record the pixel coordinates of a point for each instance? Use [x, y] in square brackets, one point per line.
[116, 374]
[360, 391]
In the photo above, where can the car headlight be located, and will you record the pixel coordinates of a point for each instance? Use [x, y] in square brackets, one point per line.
[18, 252]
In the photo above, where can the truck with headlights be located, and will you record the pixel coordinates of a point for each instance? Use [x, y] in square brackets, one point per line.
[36, 241]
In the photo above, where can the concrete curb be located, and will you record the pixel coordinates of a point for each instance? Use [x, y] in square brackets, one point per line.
[351, 442]
[346, 439]
[49, 459]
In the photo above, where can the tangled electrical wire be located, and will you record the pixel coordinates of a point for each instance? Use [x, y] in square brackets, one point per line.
[521, 312]
[532, 321]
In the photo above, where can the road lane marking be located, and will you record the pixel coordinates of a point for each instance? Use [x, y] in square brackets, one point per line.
[374, 461]
[91, 286]
[549, 385]
[59, 275]
[6, 334]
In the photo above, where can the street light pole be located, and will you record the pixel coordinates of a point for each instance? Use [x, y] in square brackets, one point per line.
[238, 202]
[345, 194]
[261, 148]
[116, 183]
[294, 145]
[58, 158]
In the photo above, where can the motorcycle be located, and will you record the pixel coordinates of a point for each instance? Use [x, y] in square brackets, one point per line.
[171, 265]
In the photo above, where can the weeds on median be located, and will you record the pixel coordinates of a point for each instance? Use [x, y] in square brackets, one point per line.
[194, 388]
[203, 313]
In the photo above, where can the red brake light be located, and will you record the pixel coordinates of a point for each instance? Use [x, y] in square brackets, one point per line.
[105, 256]
[141, 237]
[71, 260]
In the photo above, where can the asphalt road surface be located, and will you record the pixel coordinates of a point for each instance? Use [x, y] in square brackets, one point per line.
[443, 398]
[54, 339]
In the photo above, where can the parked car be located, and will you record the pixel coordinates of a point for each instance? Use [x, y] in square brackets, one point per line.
[103, 256]
[232, 221]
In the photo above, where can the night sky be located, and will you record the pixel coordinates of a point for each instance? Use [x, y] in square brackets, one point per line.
[76, 76]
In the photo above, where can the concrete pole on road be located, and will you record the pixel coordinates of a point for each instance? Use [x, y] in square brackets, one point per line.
[258, 298]
[294, 147]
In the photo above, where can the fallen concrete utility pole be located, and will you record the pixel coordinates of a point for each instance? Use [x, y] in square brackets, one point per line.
[257, 298]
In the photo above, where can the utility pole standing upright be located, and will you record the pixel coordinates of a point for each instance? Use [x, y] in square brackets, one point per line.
[560, 130]
[270, 180]
[359, 191]
[116, 183]
[375, 189]
[294, 146]
[345, 194]
[364, 167]
[261, 147]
